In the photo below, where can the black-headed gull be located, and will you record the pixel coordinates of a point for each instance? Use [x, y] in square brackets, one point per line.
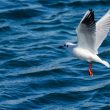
[90, 36]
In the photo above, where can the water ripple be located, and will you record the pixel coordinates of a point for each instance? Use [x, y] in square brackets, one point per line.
[34, 72]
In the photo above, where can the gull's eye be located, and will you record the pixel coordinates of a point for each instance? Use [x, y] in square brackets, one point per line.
[67, 45]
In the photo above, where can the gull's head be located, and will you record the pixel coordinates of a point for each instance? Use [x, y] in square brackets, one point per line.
[68, 45]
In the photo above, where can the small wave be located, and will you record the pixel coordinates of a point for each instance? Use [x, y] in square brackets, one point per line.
[60, 4]
[20, 13]
[19, 100]
[18, 63]
[93, 87]
[46, 22]
[106, 107]
[89, 3]
[39, 72]
[7, 54]
[48, 28]
[5, 28]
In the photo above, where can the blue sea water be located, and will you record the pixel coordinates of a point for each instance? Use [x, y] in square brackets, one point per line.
[34, 73]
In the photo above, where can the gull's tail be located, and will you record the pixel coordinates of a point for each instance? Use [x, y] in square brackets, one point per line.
[105, 63]
[98, 59]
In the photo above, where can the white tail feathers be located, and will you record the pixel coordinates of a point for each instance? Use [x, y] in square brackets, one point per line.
[106, 63]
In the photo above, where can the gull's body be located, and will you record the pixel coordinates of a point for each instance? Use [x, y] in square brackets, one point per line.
[90, 36]
[85, 54]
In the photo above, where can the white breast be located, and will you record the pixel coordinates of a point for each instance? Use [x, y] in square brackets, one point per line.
[83, 54]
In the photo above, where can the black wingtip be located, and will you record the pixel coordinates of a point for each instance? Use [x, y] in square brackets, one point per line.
[89, 19]
[91, 10]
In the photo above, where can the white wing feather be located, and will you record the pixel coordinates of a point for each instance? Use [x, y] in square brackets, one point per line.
[86, 32]
[102, 29]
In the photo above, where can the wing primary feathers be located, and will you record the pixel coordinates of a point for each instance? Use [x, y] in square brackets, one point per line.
[91, 34]
[102, 29]
[86, 31]
[89, 20]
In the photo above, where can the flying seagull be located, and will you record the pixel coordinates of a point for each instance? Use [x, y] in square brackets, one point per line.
[90, 36]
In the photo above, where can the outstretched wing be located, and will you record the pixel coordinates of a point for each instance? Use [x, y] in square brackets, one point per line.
[86, 32]
[102, 29]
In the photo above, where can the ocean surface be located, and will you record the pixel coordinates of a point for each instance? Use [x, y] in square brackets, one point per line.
[34, 73]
